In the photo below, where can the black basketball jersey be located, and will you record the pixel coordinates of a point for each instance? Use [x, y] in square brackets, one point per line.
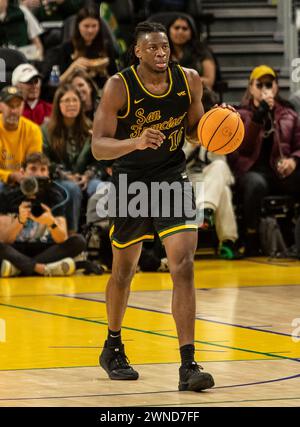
[166, 112]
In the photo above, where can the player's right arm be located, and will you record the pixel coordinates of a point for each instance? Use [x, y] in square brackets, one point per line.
[104, 144]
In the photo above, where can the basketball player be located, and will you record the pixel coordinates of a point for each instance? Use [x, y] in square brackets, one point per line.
[144, 114]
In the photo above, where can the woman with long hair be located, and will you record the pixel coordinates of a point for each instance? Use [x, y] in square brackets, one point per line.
[67, 143]
[88, 50]
[188, 51]
[88, 91]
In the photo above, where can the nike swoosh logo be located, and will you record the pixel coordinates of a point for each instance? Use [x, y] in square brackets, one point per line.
[137, 101]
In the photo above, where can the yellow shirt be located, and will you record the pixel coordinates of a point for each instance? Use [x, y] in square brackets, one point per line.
[17, 144]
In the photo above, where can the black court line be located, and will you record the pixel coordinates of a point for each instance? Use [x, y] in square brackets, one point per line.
[146, 392]
[251, 328]
[195, 404]
[82, 319]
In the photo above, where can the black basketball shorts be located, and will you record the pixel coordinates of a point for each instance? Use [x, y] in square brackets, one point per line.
[164, 207]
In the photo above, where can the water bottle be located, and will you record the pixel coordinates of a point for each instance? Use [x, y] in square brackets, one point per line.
[54, 76]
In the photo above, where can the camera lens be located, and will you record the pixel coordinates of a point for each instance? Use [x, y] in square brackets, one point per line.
[29, 186]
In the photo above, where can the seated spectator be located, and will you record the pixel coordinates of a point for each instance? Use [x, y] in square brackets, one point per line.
[18, 136]
[33, 230]
[87, 50]
[67, 143]
[267, 162]
[20, 29]
[27, 78]
[88, 91]
[188, 51]
[212, 171]
[53, 11]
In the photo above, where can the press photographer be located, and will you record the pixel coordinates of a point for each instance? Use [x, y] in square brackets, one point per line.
[33, 227]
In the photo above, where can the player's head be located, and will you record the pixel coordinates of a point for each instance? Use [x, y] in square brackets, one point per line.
[151, 46]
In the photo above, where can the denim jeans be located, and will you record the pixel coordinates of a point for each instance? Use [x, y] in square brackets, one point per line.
[73, 205]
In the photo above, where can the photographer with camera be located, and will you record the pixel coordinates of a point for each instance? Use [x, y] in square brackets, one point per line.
[33, 227]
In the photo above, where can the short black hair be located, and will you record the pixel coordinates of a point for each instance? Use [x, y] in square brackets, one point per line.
[141, 29]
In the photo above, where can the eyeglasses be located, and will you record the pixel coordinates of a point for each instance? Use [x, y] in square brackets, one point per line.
[69, 101]
[33, 81]
[267, 85]
[179, 27]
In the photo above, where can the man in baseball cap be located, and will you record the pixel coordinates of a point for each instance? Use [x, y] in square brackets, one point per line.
[10, 92]
[18, 136]
[27, 78]
[23, 73]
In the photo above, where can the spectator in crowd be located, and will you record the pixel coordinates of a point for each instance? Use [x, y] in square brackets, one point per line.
[27, 78]
[212, 171]
[53, 11]
[88, 49]
[18, 136]
[267, 162]
[67, 143]
[188, 51]
[20, 29]
[88, 91]
[33, 230]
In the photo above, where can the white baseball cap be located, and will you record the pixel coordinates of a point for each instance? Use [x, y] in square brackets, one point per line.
[23, 73]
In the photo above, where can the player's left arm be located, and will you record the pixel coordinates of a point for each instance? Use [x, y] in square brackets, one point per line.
[196, 110]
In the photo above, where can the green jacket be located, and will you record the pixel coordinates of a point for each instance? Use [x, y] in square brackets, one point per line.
[78, 164]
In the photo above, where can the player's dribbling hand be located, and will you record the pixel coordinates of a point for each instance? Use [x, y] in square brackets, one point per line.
[150, 138]
[224, 105]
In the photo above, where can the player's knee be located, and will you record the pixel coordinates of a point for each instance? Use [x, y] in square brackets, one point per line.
[124, 274]
[184, 267]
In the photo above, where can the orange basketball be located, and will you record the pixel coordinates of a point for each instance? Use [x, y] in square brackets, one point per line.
[221, 130]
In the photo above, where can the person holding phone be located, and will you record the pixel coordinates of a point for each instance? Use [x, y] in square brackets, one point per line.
[267, 161]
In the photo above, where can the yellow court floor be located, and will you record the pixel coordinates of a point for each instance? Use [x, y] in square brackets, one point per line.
[247, 336]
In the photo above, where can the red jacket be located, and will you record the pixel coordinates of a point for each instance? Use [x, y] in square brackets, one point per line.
[38, 113]
[286, 135]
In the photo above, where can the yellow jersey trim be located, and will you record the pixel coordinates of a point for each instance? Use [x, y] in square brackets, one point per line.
[128, 97]
[131, 242]
[186, 82]
[112, 228]
[178, 228]
[149, 93]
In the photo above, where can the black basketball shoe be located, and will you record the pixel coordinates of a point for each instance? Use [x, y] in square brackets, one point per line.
[115, 363]
[192, 379]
